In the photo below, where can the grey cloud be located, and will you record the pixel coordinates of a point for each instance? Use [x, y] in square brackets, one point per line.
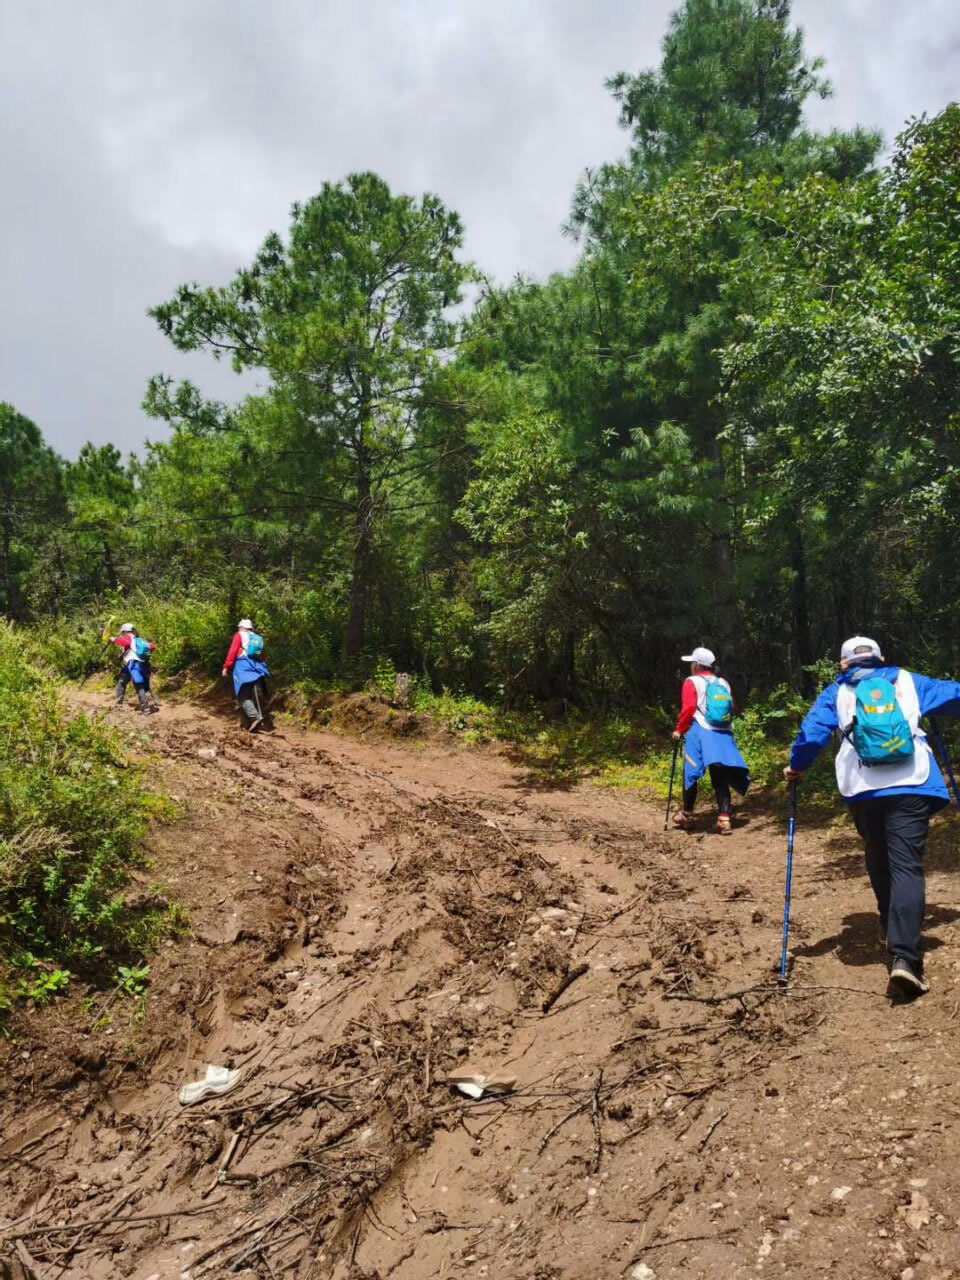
[145, 144]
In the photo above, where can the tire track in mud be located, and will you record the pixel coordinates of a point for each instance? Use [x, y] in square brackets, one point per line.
[370, 917]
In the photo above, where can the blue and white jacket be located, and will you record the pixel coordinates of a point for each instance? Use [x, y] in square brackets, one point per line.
[918, 696]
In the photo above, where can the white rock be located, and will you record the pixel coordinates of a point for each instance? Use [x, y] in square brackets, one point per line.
[840, 1193]
[640, 1271]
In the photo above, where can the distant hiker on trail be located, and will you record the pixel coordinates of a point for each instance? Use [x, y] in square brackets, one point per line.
[249, 672]
[706, 721]
[136, 667]
[889, 777]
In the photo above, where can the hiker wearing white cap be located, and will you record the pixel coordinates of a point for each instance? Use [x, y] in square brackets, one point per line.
[245, 660]
[135, 668]
[890, 778]
[706, 722]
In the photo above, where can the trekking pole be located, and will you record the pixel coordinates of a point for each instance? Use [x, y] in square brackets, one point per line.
[791, 828]
[673, 774]
[942, 751]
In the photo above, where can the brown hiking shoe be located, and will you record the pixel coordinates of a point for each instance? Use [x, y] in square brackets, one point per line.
[683, 820]
[724, 825]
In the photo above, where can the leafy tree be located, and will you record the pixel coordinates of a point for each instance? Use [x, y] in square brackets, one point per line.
[100, 494]
[31, 499]
[347, 317]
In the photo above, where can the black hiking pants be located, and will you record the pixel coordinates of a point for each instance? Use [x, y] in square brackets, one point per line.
[720, 781]
[894, 834]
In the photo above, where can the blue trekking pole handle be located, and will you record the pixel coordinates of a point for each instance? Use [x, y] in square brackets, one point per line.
[791, 828]
[942, 749]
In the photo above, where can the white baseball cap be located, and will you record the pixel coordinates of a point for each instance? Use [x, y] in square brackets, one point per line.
[245, 622]
[127, 626]
[704, 656]
[859, 647]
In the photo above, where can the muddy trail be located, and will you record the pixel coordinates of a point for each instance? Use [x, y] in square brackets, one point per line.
[371, 917]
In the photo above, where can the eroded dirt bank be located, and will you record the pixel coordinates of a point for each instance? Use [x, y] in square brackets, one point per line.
[370, 917]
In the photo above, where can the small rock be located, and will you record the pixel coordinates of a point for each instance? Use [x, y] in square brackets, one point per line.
[640, 1271]
[840, 1193]
[207, 753]
[917, 1212]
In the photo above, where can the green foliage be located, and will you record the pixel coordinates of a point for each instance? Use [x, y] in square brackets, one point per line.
[31, 504]
[734, 420]
[348, 317]
[72, 812]
[132, 980]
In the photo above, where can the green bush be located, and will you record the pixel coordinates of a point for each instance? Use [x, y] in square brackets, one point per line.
[72, 812]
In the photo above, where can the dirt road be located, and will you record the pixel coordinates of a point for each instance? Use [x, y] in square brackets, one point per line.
[370, 917]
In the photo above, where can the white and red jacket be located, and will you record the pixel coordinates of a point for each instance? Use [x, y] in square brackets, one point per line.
[693, 702]
[125, 642]
[238, 649]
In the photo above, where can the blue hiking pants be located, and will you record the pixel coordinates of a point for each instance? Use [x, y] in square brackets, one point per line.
[894, 834]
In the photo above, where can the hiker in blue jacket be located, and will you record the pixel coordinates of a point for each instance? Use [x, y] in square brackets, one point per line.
[889, 777]
[706, 720]
[249, 672]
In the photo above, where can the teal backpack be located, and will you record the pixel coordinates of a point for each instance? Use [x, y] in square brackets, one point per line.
[880, 732]
[141, 648]
[719, 709]
[254, 645]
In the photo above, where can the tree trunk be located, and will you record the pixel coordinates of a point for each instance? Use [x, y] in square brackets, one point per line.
[802, 642]
[109, 565]
[13, 599]
[362, 565]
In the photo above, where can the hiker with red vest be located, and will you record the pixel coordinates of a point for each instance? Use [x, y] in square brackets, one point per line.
[888, 775]
[705, 722]
[135, 668]
[249, 672]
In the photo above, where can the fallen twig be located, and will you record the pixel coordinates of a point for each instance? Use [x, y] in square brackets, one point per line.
[111, 1220]
[596, 1110]
[716, 1125]
[665, 1244]
[224, 1164]
[560, 988]
[728, 995]
[571, 1115]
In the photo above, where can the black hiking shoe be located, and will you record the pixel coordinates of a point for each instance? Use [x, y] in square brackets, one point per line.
[905, 980]
[255, 724]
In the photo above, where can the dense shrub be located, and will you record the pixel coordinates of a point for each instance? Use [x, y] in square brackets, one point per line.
[72, 812]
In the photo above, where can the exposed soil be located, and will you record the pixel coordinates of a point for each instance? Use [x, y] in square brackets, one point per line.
[370, 916]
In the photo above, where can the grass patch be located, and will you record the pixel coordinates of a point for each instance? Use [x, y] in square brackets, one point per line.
[73, 810]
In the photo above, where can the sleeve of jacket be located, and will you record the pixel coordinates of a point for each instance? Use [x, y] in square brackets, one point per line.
[234, 652]
[122, 642]
[815, 732]
[937, 696]
[688, 705]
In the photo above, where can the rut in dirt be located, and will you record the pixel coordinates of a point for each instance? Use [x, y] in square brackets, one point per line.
[371, 917]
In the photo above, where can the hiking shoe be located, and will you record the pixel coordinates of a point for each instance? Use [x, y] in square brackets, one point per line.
[216, 1082]
[905, 980]
[882, 931]
[255, 724]
[683, 820]
[724, 825]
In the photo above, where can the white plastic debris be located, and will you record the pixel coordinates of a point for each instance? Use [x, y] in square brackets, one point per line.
[476, 1086]
[217, 1081]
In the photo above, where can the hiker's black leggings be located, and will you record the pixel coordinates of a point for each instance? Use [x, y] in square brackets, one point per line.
[720, 781]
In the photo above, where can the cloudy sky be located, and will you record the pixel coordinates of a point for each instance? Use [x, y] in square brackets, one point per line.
[144, 144]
